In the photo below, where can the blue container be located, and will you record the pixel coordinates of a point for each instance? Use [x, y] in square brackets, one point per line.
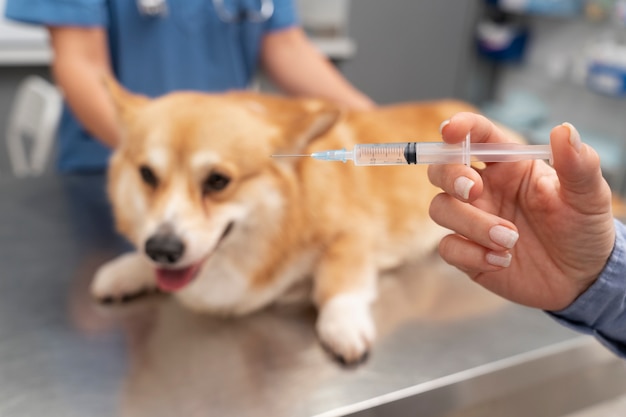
[606, 78]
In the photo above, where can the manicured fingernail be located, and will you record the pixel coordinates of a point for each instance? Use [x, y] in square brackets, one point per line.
[503, 236]
[463, 186]
[443, 124]
[574, 136]
[499, 259]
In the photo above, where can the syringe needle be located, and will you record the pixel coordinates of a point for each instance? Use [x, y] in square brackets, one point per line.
[289, 156]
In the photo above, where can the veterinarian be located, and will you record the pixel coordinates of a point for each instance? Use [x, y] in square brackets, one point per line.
[156, 46]
[540, 236]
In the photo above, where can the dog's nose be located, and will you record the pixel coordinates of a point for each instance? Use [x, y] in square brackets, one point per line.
[165, 248]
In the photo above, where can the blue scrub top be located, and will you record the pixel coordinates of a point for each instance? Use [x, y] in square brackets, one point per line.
[189, 48]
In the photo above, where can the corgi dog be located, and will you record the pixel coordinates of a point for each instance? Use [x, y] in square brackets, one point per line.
[229, 230]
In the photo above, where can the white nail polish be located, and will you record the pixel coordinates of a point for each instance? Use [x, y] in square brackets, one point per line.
[503, 236]
[574, 136]
[443, 124]
[498, 259]
[463, 186]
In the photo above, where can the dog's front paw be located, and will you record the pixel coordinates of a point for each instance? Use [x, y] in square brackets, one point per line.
[123, 278]
[345, 326]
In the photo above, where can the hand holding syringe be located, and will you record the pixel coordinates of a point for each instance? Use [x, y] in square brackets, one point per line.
[434, 153]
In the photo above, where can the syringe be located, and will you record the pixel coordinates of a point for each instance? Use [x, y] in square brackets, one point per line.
[434, 153]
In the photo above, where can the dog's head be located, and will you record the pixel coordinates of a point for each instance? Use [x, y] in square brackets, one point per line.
[193, 169]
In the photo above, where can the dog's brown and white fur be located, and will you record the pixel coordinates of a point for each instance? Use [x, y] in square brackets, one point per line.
[231, 230]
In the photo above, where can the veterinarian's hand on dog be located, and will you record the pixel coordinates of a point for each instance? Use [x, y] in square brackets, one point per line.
[534, 234]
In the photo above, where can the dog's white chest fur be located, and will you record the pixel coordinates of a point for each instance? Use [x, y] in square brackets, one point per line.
[224, 286]
[219, 286]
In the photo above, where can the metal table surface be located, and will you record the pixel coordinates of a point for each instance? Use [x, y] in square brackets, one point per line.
[62, 354]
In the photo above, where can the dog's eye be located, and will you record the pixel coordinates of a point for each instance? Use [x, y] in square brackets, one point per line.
[215, 182]
[148, 176]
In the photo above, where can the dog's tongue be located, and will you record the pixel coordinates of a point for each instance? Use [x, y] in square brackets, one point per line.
[170, 280]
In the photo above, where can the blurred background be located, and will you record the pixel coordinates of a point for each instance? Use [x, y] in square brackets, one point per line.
[531, 64]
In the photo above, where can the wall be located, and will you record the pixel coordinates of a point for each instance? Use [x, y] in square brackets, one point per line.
[409, 50]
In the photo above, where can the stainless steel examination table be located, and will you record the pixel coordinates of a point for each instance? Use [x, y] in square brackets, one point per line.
[446, 347]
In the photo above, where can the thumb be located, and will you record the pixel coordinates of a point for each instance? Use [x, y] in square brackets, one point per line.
[578, 168]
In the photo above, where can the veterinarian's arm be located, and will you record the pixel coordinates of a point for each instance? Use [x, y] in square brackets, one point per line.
[297, 67]
[537, 235]
[81, 55]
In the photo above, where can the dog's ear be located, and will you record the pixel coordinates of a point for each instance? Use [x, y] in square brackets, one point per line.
[301, 120]
[311, 122]
[126, 103]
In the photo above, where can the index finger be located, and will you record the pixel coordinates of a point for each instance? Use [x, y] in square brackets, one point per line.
[480, 128]
[459, 180]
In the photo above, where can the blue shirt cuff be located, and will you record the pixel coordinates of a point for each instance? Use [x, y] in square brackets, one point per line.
[601, 310]
[284, 16]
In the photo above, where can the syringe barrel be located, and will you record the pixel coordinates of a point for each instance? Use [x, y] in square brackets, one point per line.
[380, 154]
[440, 153]
[464, 153]
[404, 153]
[509, 152]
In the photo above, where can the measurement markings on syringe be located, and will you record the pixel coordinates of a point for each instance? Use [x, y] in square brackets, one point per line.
[383, 153]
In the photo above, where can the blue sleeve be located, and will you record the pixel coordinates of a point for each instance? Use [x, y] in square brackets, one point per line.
[58, 13]
[284, 16]
[601, 310]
